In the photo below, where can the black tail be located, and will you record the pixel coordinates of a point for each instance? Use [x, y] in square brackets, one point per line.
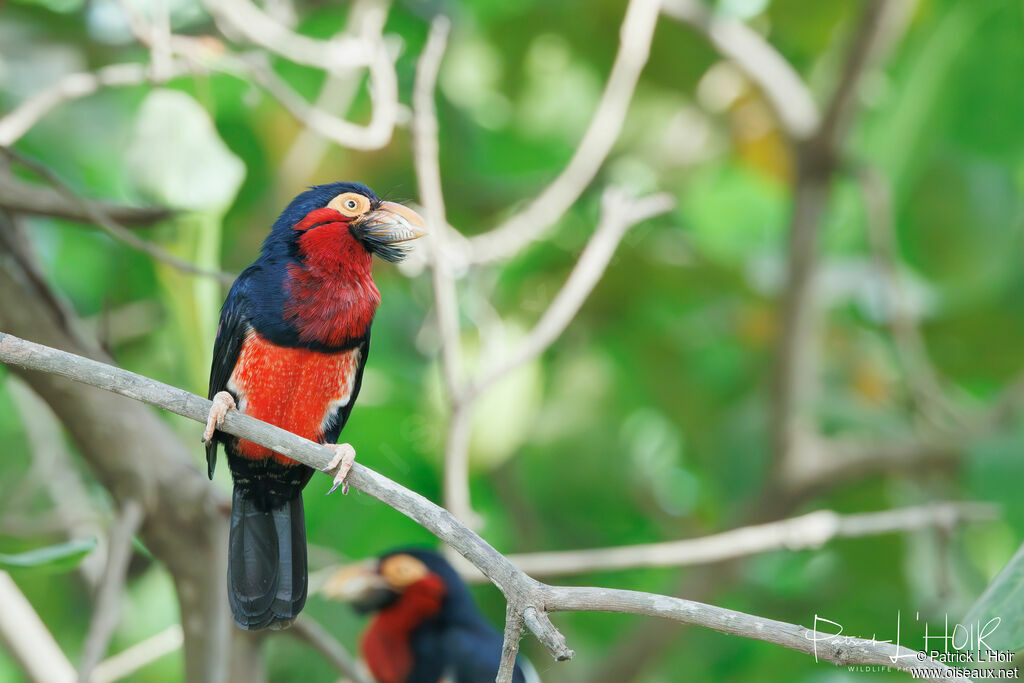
[266, 563]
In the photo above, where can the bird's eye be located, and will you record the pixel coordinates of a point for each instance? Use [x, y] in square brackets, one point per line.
[350, 204]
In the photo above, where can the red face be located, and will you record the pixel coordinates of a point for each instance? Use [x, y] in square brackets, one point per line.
[331, 294]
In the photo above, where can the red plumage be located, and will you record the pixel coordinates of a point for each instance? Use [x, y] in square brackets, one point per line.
[293, 388]
[386, 643]
[331, 294]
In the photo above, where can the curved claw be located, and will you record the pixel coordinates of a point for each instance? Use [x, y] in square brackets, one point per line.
[344, 458]
[222, 403]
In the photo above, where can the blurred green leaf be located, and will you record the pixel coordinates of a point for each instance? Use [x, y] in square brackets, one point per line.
[60, 557]
[177, 157]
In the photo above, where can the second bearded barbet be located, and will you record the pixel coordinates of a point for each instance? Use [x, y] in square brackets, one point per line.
[291, 346]
[426, 627]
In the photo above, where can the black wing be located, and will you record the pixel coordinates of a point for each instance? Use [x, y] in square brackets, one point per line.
[231, 332]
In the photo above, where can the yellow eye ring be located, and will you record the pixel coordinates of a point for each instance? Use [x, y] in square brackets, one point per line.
[350, 204]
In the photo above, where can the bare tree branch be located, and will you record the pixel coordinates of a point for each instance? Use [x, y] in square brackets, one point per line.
[619, 213]
[817, 157]
[128, 661]
[805, 532]
[20, 197]
[516, 232]
[922, 378]
[514, 622]
[240, 17]
[107, 611]
[383, 94]
[313, 634]
[366, 19]
[25, 636]
[522, 592]
[74, 86]
[114, 229]
[775, 77]
[428, 176]
[840, 650]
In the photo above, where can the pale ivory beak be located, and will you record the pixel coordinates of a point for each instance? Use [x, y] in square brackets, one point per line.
[391, 223]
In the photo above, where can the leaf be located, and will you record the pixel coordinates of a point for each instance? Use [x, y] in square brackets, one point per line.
[59, 557]
[177, 157]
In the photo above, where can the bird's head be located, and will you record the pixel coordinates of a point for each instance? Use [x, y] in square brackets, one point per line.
[379, 227]
[378, 584]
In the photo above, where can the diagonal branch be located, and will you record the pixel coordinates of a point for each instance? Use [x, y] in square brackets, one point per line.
[107, 611]
[126, 662]
[922, 378]
[809, 531]
[775, 77]
[25, 636]
[96, 214]
[20, 197]
[516, 232]
[840, 650]
[526, 596]
[316, 636]
[74, 86]
[240, 17]
[619, 213]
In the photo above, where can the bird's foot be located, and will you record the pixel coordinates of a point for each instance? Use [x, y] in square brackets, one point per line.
[344, 458]
[222, 403]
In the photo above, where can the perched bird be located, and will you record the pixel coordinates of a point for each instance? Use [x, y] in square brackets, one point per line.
[291, 346]
[426, 628]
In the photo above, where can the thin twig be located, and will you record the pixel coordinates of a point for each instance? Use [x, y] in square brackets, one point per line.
[240, 17]
[619, 213]
[529, 224]
[25, 636]
[922, 378]
[74, 86]
[366, 19]
[106, 613]
[428, 176]
[522, 592]
[21, 197]
[383, 94]
[316, 636]
[446, 305]
[128, 661]
[118, 232]
[798, 533]
[765, 66]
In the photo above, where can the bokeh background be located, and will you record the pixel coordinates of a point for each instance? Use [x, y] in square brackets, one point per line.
[649, 419]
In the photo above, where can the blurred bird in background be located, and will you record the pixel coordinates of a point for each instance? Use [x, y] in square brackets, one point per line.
[291, 346]
[426, 627]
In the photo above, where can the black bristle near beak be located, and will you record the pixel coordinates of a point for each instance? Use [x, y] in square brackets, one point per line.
[374, 599]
